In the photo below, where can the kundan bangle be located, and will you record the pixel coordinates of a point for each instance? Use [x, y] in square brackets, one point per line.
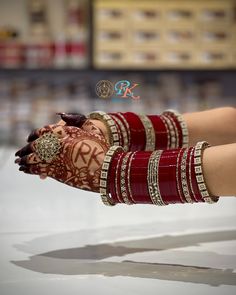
[198, 152]
[150, 133]
[182, 126]
[110, 124]
[104, 175]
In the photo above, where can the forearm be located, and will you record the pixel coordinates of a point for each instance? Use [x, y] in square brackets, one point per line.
[165, 177]
[216, 126]
[219, 165]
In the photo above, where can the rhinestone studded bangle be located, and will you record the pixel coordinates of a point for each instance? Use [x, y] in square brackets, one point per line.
[152, 178]
[184, 129]
[198, 152]
[150, 133]
[107, 200]
[110, 124]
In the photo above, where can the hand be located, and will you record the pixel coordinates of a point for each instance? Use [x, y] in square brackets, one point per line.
[81, 121]
[79, 162]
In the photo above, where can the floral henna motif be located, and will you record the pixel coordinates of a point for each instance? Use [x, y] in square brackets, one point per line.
[79, 162]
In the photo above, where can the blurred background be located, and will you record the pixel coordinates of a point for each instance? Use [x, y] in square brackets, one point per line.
[52, 53]
[182, 55]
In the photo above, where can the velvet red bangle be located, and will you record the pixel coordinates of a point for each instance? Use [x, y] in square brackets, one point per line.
[138, 178]
[137, 132]
[160, 131]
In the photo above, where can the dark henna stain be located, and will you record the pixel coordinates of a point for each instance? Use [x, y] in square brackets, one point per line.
[23, 161]
[79, 162]
[33, 135]
[81, 154]
[94, 156]
[25, 150]
[71, 119]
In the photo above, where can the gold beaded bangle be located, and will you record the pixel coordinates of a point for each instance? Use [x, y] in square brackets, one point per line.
[152, 178]
[184, 182]
[163, 119]
[124, 133]
[107, 200]
[183, 125]
[176, 137]
[110, 124]
[177, 176]
[116, 179]
[128, 176]
[150, 133]
[127, 127]
[123, 189]
[189, 173]
[198, 152]
[171, 132]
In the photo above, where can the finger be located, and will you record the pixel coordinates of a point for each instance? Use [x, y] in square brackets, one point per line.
[26, 150]
[36, 169]
[71, 119]
[32, 158]
[33, 135]
[57, 129]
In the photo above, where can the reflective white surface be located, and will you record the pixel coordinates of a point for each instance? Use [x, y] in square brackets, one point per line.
[59, 240]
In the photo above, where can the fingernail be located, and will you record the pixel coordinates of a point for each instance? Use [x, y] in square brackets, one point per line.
[23, 160]
[17, 154]
[17, 161]
[22, 168]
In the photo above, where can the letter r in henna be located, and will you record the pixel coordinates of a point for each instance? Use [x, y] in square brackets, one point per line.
[84, 152]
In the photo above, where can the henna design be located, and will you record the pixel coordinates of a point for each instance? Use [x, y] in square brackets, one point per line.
[79, 162]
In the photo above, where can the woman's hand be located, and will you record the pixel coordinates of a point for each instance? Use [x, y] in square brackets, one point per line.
[81, 121]
[78, 163]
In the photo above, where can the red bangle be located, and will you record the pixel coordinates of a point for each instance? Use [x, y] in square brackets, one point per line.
[137, 132]
[160, 131]
[167, 177]
[138, 178]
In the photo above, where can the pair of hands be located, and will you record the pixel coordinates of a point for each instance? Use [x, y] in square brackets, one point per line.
[84, 143]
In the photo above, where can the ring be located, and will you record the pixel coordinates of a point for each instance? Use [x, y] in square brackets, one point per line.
[47, 146]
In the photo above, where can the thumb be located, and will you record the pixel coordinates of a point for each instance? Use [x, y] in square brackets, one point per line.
[73, 119]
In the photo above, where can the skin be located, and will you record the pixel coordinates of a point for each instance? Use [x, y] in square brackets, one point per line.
[216, 126]
[79, 162]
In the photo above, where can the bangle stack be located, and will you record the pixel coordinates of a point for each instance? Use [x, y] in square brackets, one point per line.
[160, 177]
[180, 128]
[110, 124]
[138, 132]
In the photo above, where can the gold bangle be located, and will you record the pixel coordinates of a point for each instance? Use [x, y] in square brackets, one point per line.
[183, 125]
[190, 172]
[124, 133]
[110, 124]
[128, 177]
[126, 126]
[198, 152]
[149, 131]
[177, 175]
[103, 189]
[184, 182]
[123, 189]
[153, 179]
